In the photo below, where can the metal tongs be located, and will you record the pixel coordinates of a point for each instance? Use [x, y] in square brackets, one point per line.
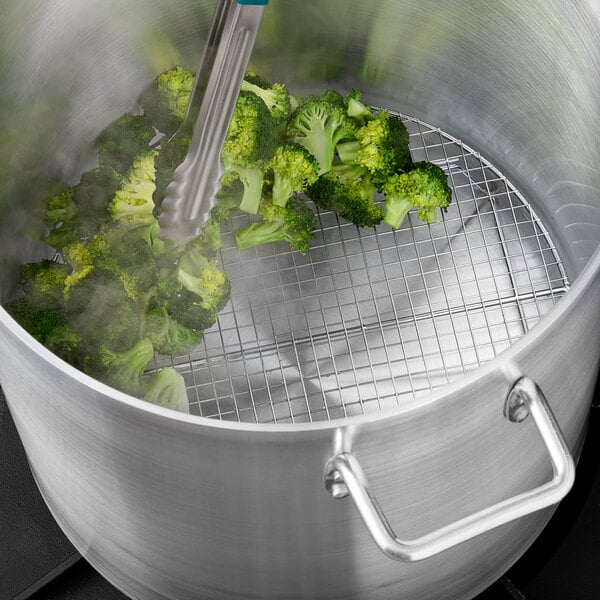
[196, 181]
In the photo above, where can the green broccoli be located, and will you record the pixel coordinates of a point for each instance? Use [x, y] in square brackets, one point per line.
[100, 308]
[294, 168]
[226, 202]
[61, 219]
[166, 388]
[42, 310]
[133, 205]
[116, 295]
[425, 188]
[201, 276]
[80, 260]
[294, 224]
[44, 282]
[356, 108]
[275, 96]
[166, 334]
[194, 291]
[123, 141]
[81, 210]
[50, 326]
[320, 125]
[349, 193]
[123, 370]
[210, 237]
[249, 145]
[330, 96]
[165, 101]
[133, 201]
[92, 196]
[190, 310]
[381, 146]
[129, 258]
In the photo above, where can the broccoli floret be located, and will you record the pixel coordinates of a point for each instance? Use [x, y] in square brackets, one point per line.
[165, 101]
[188, 309]
[166, 334]
[251, 135]
[80, 261]
[252, 178]
[123, 370]
[349, 193]
[210, 237]
[275, 96]
[294, 224]
[381, 145]
[123, 141]
[331, 96]
[133, 205]
[44, 281]
[129, 258]
[226, 202]
[204, 245]
[133, 201]
[101, 310]
[209, 290]
[319, 126]
[357, 109]
[249, 145]
[61, 219]
[50, 326]
[294, 168]
[425, 188]
[200, 275]
[92, 196]
[166, 388]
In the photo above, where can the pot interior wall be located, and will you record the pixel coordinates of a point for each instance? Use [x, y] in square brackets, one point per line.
[517, 83]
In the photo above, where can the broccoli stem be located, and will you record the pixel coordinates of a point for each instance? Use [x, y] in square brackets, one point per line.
[260, 232]
[320, 146]
[167, 388]
[347, 151]
[252, 180]
[282, 190]
[124, 369]
[359, 111]
[396, 209]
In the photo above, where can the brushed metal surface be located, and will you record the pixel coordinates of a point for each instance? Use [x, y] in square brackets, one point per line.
[344, 476]
[180, 507]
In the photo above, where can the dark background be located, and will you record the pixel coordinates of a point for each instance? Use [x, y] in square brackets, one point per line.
[38, 563]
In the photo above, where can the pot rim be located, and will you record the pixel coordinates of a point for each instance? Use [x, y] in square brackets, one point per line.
[503, 361]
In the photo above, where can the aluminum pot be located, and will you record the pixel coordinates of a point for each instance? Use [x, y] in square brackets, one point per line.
[434, 498]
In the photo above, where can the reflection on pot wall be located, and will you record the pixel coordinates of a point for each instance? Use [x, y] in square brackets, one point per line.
[519, 82]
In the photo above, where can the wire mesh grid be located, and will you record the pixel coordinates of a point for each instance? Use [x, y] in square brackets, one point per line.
[371, 317]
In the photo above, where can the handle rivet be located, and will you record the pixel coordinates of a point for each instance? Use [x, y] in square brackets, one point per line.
[516, 409]
[335, 484]
[339, 490]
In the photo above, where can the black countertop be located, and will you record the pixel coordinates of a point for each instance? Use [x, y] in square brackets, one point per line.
[40, 564]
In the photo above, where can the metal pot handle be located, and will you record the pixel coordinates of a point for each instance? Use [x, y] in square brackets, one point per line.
[344, 476]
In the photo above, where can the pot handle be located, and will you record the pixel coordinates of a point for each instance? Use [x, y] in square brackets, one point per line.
[344, 476]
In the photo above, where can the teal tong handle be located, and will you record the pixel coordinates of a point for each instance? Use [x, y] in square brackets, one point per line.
[255, 2]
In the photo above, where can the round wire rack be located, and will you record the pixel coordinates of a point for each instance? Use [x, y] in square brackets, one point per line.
[371, 317]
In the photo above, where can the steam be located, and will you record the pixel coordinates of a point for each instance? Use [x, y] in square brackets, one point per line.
[67, 70]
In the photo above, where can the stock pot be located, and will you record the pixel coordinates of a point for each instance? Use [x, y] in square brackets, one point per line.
[368, 491]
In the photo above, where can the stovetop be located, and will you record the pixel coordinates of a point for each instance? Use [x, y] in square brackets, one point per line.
[38, 563]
